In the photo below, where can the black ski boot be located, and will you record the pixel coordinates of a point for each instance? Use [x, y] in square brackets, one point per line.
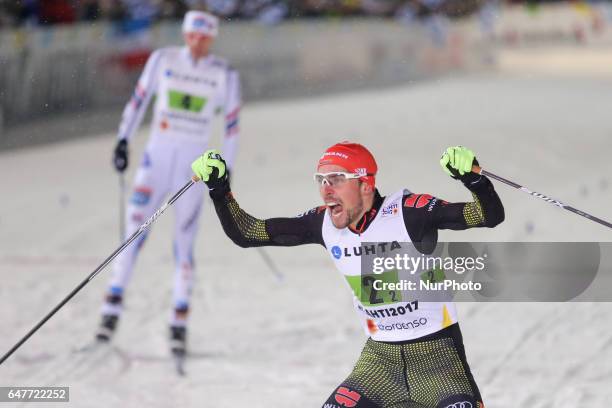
[107, 328]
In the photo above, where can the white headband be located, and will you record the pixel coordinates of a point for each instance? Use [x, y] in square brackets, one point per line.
[201, 22]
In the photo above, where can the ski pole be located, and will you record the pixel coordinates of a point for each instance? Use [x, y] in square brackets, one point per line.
[480, 170]
[121, 207]
[270, 263]
[108, 260]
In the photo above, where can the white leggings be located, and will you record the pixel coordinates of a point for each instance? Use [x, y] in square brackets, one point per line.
[164, 169]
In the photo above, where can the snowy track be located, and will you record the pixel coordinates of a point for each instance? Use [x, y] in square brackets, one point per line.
[258, 342]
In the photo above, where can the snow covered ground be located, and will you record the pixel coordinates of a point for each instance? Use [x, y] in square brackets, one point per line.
[257, 342]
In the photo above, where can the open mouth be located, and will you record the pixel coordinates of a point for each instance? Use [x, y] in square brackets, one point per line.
[335, 209]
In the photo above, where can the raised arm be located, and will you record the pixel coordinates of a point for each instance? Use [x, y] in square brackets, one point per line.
[485, 211]
[244, 229]
[424, 214]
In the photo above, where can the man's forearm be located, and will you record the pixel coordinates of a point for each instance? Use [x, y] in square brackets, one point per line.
[243, 229]
[486, 210]
[247, 231]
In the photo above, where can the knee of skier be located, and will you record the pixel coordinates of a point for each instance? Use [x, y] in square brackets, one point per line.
[141, 196]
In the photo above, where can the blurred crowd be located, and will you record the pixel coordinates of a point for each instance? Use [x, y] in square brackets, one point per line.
[15, 13]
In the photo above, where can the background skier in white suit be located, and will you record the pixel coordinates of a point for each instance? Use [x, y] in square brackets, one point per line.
[191, 87]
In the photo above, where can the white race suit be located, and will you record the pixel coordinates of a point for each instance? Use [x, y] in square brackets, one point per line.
[189, 93]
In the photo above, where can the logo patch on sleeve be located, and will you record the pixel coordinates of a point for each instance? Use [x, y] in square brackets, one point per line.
[346, 397]
[316, 210]
[420, 201]
[390, 210]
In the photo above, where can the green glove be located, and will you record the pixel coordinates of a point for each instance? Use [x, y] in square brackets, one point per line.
[210, 168]
[457, 161]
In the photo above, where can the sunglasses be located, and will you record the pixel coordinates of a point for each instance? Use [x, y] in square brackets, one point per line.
[336, 178]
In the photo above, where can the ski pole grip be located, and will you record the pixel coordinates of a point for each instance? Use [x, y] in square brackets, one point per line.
[476, 169]
[195, 178]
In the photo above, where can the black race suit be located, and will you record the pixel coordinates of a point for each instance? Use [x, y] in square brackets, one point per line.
[430, 371]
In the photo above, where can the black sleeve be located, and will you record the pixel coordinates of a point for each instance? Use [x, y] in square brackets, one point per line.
[424, 214]
[247, 231]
